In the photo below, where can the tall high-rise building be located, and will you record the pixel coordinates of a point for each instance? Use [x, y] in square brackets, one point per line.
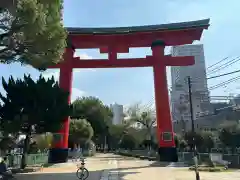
[179, 76]
[117, 113]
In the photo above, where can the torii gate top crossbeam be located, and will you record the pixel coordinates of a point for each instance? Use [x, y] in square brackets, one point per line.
[137, 36]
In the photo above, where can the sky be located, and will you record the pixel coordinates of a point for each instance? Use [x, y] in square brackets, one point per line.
[129, 85]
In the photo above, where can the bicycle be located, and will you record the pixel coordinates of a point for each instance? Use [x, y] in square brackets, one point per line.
[82, 172]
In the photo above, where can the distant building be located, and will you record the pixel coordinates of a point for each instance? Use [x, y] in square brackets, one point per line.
[235, 100]
[180, 94]
[221, 112]
[118, 114]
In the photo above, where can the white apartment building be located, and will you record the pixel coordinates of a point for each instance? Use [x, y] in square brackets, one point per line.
[118, 114]
[180, 91]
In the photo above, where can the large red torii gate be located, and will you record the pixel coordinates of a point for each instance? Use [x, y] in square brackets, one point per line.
[119, 40]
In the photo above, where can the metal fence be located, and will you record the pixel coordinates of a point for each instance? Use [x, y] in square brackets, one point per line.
[14, 160]
[35, 159]
[187, 157]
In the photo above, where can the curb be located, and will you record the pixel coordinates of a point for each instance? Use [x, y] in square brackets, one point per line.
[150, 158]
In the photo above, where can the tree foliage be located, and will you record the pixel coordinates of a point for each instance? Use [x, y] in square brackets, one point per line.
[43, 141]
[31, 32]
[138, 114]
[121, 134]
[128, 142]
[32, 107]
[229, 135]
[208, 141]
[7, 143]
[80, 131]
[95, 112]
[204, 140]
[194, 138]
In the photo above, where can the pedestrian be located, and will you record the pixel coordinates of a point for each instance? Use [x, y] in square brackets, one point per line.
[4, 171]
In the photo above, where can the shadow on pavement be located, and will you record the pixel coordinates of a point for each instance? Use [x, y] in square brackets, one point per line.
[93, 175]
[115, 157]
[153, 164]
[123, 174]
[118, 159]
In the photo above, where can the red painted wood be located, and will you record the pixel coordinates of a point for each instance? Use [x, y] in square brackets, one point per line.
[104, 63]
[121, 43]
[143, 39]
[65, 82]
[118, 49]
[163, 115]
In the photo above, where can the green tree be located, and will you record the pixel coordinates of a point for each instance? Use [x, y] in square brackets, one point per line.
[123, 136]
[180, 142]
[7, 143]
[128, 142]
[208, 141]
[32, 32]
[177, 140]
[229, 135]
[116, 134]
[80, 131]
[137, 114]
[194, 138]
[43, 141]
[182, 145]
[96, 113]
[33, 107]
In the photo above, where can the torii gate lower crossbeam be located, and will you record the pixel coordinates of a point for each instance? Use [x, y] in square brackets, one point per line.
[158, 61]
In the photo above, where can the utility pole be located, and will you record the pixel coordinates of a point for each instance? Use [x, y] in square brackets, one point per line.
[190, 102]
[194, 148]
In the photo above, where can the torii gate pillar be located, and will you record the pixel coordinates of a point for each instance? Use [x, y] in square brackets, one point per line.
[167, 150]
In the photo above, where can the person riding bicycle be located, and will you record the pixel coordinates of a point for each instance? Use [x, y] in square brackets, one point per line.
[4, 169]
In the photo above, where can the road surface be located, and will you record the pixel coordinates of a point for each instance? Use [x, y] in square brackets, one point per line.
[114, 167]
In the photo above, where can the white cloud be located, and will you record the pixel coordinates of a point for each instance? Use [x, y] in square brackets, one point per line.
[55, 73]
[76, 72]
[76, 93]
[82, 56]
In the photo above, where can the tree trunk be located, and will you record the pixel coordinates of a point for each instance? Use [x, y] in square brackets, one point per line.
[25, 151]
[150, 140]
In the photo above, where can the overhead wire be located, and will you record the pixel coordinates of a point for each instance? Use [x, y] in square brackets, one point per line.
[223, 66]
[218, 68]
[217, 63]
[224, 83]
[234, 108]
[225, 74]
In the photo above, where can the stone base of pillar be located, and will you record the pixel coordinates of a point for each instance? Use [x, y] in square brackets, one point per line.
[168, 154]
[57, 155]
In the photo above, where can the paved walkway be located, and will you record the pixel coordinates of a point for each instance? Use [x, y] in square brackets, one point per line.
[113, 167]
[134, 169]
[67, 171]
